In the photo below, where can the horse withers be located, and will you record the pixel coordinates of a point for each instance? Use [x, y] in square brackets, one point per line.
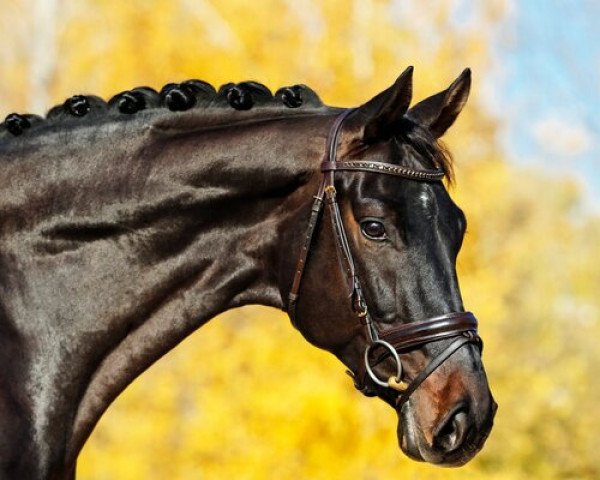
[126, 225]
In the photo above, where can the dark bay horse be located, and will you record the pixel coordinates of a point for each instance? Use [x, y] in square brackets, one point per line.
[126, 225]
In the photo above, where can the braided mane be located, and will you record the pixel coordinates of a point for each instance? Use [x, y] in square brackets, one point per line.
[176, 97]
[197, 94]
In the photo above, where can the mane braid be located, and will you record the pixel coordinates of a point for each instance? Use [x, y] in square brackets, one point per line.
[175, 97]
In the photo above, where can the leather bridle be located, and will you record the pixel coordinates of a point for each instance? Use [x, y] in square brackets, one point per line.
[462, 326]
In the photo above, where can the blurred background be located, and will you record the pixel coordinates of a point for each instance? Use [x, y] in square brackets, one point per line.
[246, 397]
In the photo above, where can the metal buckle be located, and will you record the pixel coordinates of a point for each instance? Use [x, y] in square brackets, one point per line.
[358, 304]
[393, 382]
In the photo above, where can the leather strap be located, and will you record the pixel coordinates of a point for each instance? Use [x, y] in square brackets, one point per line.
[303, 257]
[413, 334]
[382, 167]
[316, 209]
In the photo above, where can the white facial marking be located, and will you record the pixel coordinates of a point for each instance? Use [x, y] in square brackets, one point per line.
[425, 199]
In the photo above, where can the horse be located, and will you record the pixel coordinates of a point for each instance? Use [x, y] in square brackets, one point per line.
[127, 224]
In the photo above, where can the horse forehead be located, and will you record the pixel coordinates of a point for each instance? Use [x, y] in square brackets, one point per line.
[424, 205]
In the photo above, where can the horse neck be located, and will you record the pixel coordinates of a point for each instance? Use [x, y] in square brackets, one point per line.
[167, 196]
[233, 194]
[121, 250]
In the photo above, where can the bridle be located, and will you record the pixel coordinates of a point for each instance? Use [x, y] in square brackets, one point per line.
[462, 326]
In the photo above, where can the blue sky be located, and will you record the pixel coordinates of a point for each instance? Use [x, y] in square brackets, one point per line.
[550, 88]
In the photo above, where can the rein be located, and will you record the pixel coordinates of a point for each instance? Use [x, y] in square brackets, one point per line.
[390, 342]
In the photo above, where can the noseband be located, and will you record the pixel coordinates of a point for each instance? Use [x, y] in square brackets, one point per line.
[388, 343]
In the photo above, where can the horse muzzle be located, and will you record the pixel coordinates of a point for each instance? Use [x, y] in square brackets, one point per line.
[447, 421]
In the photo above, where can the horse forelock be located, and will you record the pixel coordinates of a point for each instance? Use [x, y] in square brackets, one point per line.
[429, 149]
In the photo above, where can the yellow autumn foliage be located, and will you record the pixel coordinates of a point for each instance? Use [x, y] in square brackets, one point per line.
[246, 397]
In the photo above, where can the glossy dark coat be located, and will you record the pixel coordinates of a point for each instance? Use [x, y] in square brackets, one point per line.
[122, 234]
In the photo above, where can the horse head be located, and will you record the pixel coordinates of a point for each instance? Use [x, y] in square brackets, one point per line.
[376, 280]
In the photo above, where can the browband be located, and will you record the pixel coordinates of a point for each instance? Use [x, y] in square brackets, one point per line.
[381, 167]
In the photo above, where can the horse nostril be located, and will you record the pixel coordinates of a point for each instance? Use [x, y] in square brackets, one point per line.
[451, 433]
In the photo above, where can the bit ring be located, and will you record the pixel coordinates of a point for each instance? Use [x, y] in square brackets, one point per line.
[394, 353]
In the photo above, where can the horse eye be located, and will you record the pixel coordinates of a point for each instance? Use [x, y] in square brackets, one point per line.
[373, 230]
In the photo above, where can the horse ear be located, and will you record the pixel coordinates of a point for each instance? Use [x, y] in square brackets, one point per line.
[439, 111]
[380, 115]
